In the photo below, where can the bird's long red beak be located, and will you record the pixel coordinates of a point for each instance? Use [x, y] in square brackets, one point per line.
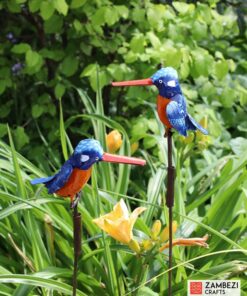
[122, 159]
[147, 81]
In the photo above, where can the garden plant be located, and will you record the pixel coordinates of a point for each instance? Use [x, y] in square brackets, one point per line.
[58, 59]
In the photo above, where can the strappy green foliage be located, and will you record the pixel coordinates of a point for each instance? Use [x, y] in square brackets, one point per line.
[70, 50]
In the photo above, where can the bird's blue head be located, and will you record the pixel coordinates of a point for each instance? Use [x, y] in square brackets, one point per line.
[89, 151]
[165, 79]
[86, 153]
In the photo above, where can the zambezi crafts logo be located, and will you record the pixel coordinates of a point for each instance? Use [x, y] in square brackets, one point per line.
[213, 287]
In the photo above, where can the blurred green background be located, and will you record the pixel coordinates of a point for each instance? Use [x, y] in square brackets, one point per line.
[57, 59]
[49, 47]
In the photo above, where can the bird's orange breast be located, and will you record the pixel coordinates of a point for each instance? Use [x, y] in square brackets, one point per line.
[75, 183]
[161, 108]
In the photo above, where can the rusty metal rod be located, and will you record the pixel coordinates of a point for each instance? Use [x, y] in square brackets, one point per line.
[77, 229]
[170, 202]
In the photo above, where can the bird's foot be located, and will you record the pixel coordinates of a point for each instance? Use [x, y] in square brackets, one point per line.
[74, 202]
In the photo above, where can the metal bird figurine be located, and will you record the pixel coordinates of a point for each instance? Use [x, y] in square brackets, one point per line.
[172, 111]
[71, 178]
[76, 171]
[171, 104]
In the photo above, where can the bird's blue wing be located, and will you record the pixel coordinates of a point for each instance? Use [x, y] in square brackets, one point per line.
[193, 125]
[60, 178]
[176, 117]
[42, 180]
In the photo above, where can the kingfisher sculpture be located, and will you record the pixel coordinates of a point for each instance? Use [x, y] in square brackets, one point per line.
[171, 104]
[71, 178]
[76, 171]
[172, 111]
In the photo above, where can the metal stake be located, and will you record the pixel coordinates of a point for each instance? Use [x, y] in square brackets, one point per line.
[170, 202]
[77, 229]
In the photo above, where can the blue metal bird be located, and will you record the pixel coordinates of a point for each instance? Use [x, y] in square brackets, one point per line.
[76, 171]
[171, 104]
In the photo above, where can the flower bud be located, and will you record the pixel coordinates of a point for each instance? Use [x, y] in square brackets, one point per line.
[134, 246]
[147, 244]
[164, 236]
[134, 146]
[155, 231]
[199, 136]
[114, 141]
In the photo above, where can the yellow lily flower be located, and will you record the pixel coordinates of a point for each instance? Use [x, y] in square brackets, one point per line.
[114, 141]
[119, 223]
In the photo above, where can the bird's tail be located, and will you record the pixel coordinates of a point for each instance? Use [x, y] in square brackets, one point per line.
[191, 124]
[41, 180]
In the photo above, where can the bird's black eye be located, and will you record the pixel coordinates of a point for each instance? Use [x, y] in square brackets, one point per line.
[160, 81]
[96, 158]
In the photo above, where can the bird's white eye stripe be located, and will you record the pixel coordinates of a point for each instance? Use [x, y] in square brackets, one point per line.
[84, 158]
[171, 83]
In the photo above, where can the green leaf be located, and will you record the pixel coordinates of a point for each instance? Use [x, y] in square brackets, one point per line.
[89, 70]
[46, 10]
[98, 18]
[3, 130]
[5, 109]
[171, 56]
[243, 96]
[40, 282]
[54, 54]
[155, 15]
[4, 72]
[69, 66]
[182, 8]
[19, 181]
[103, 77]
[138, 14]
[122, 10]
[21, 48]
[216, 28]
[61, 6]
[227, 97]
[137, 43]
[2, 89]
[199, 30]
[13, 6]
[20, 137]
[155, 41]
[34, 5]
[59, 90]
[221, 69]
[62, 132]
[77, 3]
[77, 25]
[239, 145]
[202, 63]
[145, 291]
[149, 142]
[34, 61]
[37, 110]
[111, 15]
[53, 24]
[139, 127]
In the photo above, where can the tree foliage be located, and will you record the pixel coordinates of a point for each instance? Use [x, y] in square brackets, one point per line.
[50, 46]
[57, 60]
